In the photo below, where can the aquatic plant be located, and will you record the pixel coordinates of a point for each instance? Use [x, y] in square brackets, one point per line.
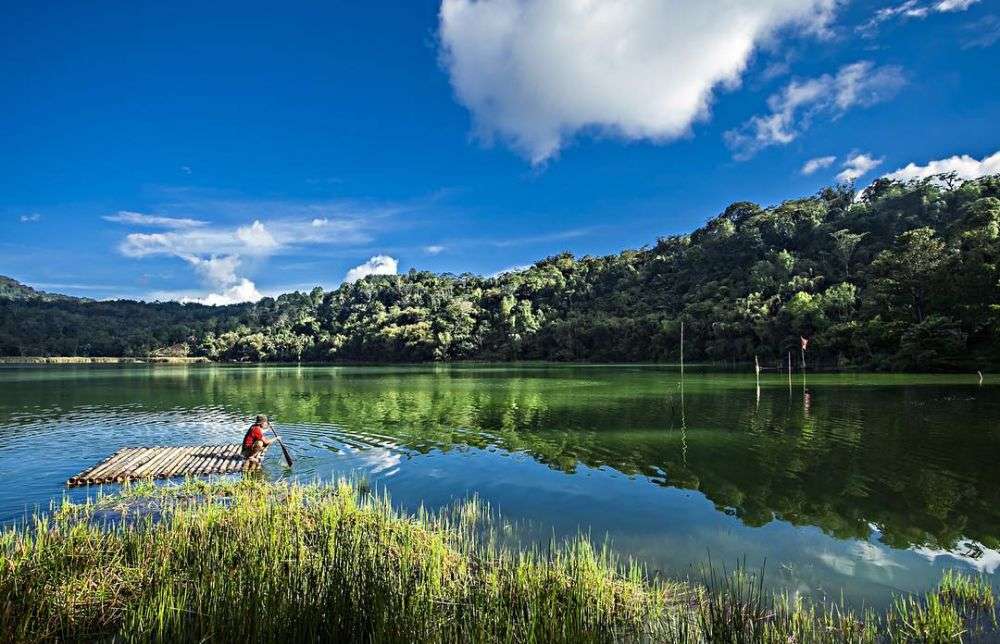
[256, 561]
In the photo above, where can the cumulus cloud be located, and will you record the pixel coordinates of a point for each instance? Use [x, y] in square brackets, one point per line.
[813, 165]
[857, 166]
[964, 167]
[793, 109]
[377, 265]
[140, 219]
[536, 72]
[256, 238]
[434, 249]
[217, 253]
[242, 291]
[30, 219]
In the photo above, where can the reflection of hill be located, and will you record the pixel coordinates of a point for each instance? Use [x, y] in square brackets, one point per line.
[912, 460]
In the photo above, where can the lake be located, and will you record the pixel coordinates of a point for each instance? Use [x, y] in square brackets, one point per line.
[866, 485]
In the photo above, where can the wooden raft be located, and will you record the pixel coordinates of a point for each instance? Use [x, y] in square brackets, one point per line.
[132, 463]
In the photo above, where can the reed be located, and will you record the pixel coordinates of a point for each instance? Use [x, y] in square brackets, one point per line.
[256, 561]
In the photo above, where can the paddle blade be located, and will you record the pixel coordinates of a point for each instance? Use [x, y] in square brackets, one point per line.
[284, 450]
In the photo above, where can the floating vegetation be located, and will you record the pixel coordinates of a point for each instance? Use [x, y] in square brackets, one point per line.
[256, 561]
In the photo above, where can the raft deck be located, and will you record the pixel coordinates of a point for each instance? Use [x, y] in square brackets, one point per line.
[130, 463]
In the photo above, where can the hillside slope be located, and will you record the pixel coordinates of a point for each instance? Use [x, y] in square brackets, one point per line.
[904, 277]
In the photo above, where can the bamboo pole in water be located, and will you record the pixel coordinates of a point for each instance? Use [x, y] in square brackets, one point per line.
[126, 474]
[201, 455]
[212, 462]
[682, 346]
[216, 463]
[111, 464]
[180, 454]
[82, 476]
[756, 368]
[109, 475]
[228, 458]
[234, 461]
[179, 463]
[220, 459]
[156, 469]
[150, 467]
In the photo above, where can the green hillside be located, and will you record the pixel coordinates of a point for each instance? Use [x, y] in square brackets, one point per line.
[904, 276]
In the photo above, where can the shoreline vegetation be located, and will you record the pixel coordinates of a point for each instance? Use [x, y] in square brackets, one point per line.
[747, 367]
[251, 560]
[26, 360]
[901, 277]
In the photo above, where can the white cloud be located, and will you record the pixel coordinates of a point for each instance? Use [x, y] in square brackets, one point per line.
[140, 219]
[984, 32]
[911, 9]
[242, 291]
[217, 253]
[857, 166]
[813, 165]
[536, 72]
[517, 268]
[257, 238]
[965, 167]
[793, 109]
[217, 271]
[32, 218]
[954, 5]
[434, 250]
[377, 265]
[982, 558]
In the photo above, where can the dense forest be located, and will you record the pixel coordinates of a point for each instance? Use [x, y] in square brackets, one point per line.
[900, 276]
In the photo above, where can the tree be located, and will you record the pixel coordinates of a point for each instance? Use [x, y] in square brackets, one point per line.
[844, 244]
[905, 274]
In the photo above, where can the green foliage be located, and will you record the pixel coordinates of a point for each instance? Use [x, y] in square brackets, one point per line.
[237, 561]
[907, 276]
[259, 562]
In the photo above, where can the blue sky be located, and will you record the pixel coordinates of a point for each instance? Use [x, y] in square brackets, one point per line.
[220, 151]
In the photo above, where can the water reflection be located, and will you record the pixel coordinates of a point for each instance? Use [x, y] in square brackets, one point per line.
[880, 462]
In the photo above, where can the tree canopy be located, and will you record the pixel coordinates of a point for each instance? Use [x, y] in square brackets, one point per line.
[901, 276]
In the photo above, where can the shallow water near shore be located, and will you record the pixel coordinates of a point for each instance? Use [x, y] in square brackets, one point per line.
[845, 484]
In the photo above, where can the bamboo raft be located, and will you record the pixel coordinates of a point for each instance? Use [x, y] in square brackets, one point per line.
[131, 463]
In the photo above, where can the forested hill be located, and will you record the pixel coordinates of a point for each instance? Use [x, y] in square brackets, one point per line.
[11, 289]
[904, 276]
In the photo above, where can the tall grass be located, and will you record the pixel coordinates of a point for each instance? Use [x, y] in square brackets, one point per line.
[255, 561]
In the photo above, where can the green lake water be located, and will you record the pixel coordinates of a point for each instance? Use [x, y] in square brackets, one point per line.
[865, 485]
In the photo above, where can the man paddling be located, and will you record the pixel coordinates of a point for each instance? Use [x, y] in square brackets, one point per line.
[254, 442]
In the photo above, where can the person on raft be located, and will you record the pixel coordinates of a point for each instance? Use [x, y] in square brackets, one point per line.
[254, 442]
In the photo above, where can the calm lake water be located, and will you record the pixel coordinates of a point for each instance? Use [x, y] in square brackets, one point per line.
[863, 484]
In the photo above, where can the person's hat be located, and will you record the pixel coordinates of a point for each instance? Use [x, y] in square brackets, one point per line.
[261, 419]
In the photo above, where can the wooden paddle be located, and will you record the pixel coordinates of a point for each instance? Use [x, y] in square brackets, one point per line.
[284, 450]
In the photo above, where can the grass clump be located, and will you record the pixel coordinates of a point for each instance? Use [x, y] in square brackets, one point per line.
[298, 563]
[249, 560]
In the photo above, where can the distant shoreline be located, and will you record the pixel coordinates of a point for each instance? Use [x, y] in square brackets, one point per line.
[103, 360]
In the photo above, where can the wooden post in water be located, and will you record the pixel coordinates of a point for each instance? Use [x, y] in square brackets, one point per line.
[682, 347]
[756, 368]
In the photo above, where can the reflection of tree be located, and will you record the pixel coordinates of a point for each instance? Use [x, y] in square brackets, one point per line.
[900, 458]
